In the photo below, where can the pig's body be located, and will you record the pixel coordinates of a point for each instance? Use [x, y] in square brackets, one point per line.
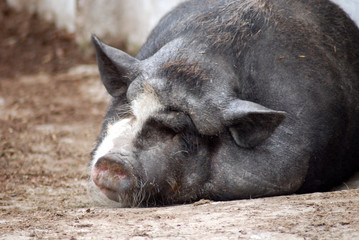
[230, 100]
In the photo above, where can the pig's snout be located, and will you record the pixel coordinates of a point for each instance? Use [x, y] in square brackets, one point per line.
[113, 176]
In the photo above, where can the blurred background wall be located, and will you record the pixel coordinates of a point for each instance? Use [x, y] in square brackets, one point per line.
[62, 12]
[130, 20]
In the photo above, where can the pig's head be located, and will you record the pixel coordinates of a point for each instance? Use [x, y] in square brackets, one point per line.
[170, 118]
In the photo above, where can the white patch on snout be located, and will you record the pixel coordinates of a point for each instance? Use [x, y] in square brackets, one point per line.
[120, 135]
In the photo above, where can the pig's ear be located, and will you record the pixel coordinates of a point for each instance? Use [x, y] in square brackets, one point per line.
[114, 66]
[250, 123]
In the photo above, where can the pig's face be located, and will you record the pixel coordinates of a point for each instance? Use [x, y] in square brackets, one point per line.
[170, 117]
[143, 157]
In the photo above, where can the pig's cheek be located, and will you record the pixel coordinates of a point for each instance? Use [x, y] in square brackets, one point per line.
[174, 148]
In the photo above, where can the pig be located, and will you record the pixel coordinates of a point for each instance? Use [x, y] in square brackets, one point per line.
[230, 99]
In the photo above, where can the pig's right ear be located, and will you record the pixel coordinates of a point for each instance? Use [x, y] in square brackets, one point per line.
[114, 66]
[250, 123]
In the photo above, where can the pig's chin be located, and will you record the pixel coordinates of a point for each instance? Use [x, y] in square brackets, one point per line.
[134, 197]
[143, 196]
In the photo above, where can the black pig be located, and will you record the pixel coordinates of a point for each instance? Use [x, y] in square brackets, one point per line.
[231, 99]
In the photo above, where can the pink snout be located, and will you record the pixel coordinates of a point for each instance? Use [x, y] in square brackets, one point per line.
[113, 176]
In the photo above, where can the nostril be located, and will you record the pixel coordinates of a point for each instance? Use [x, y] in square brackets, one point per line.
[112, 176]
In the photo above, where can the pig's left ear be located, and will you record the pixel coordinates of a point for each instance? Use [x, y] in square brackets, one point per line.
[250, 123]
[114, 66]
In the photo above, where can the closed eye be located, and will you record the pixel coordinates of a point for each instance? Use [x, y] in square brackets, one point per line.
[175, 120]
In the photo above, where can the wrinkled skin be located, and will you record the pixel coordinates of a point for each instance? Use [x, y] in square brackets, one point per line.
[229, 100]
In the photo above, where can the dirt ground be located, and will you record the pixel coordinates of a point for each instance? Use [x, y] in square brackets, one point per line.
[51, 108]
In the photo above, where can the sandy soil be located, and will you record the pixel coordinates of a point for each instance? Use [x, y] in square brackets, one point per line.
[50, 115]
